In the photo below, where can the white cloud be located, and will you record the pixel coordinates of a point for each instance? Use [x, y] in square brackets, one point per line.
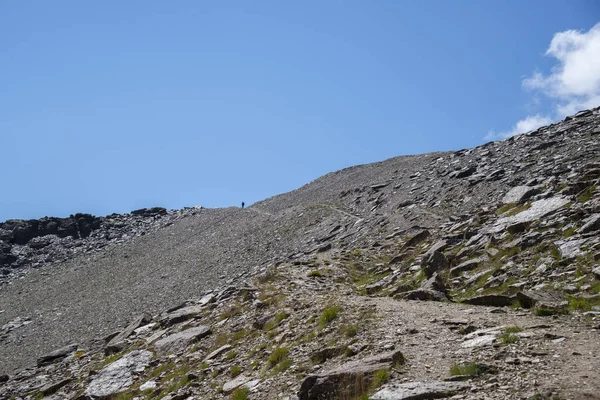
[523, 126]
[574, 82]
[572, 85]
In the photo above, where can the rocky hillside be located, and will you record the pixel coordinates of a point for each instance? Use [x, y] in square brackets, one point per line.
[471, 274]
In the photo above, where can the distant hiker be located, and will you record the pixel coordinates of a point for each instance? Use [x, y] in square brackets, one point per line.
[243, 204]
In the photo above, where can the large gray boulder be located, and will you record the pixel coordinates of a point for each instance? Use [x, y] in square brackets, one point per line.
[118, 376]
[349, 380]
[179, 341]
[519, 194]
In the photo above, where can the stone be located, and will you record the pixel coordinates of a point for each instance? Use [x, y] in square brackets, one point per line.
[494, 300]
[519, 194]
[148, 385]
[117, 343]
[434, 262]
[179, 341]
[417, 238]
[182, 314]
[419, 390]
[433, 289]
[217, 352]
[468, 265]
[591, 224]
[596, 272]
[56, 355]
[538, 210]
[53, 387]
[542, 298]
[349, 379]
[118, 376]
[235, 383]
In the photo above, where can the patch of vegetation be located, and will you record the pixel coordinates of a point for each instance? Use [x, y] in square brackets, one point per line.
[231, 355]
[240, 394]
[583, 303]
[356, 253]
[508, 338]
[239, 335]
[270, 275]
[470, 369]
[349, 330]
[278, 355]
[504, 208]
[314, 273]
[567, 233]
[235, 371]
[379, 378]
[585, 196]
[518, 209]
[329, 314]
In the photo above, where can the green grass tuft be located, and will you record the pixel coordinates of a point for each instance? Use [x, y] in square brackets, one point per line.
[329, 314]
[470, 369]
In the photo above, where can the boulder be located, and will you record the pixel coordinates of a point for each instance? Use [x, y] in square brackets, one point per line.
[591, 224]
[118, 376]
[538, 210]
[419, 390]
[179, 341]
[117, 343]
[434, 262]
[349, 380]
[182, 314]
[56, 355]
[468, 265]
[417, 238]
[494, 300]
[519, 194]
[550, 299]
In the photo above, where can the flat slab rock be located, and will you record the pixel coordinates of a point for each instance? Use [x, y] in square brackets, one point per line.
[419, 390]
[182, 314]
[519, 194]
[118, 376]
[342, 381]
[179, 341]
[537, 210]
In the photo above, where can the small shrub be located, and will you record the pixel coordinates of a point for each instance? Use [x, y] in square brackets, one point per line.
[278, 355]
[349, 331]
[470, 369]
[231, 355]
[329, 314]
[235, 371]
[379, 378]
[240, 394]
[508, 338]
[314, 273]
[356, 253]
[585, 196]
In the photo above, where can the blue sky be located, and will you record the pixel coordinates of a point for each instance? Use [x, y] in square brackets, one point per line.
[111, 106]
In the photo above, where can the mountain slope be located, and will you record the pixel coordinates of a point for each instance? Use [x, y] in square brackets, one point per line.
[434, 226]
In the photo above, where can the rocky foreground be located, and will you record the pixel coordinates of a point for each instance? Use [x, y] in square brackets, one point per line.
[465, 275]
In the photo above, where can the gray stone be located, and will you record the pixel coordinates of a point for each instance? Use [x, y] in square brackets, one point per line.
[468, 265]
[56, 355]
[538, 209]
[591, 224]
[494, 300]
[542, 298]
[218, 351]
[179, 341]
[519, 194]
[117, 343]
[349, 379]
[53, 387]
[596, 272]
[118, 376]
[183, 314]
[419, 390]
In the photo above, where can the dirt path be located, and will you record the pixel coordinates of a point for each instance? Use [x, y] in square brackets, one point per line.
[550, 352]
